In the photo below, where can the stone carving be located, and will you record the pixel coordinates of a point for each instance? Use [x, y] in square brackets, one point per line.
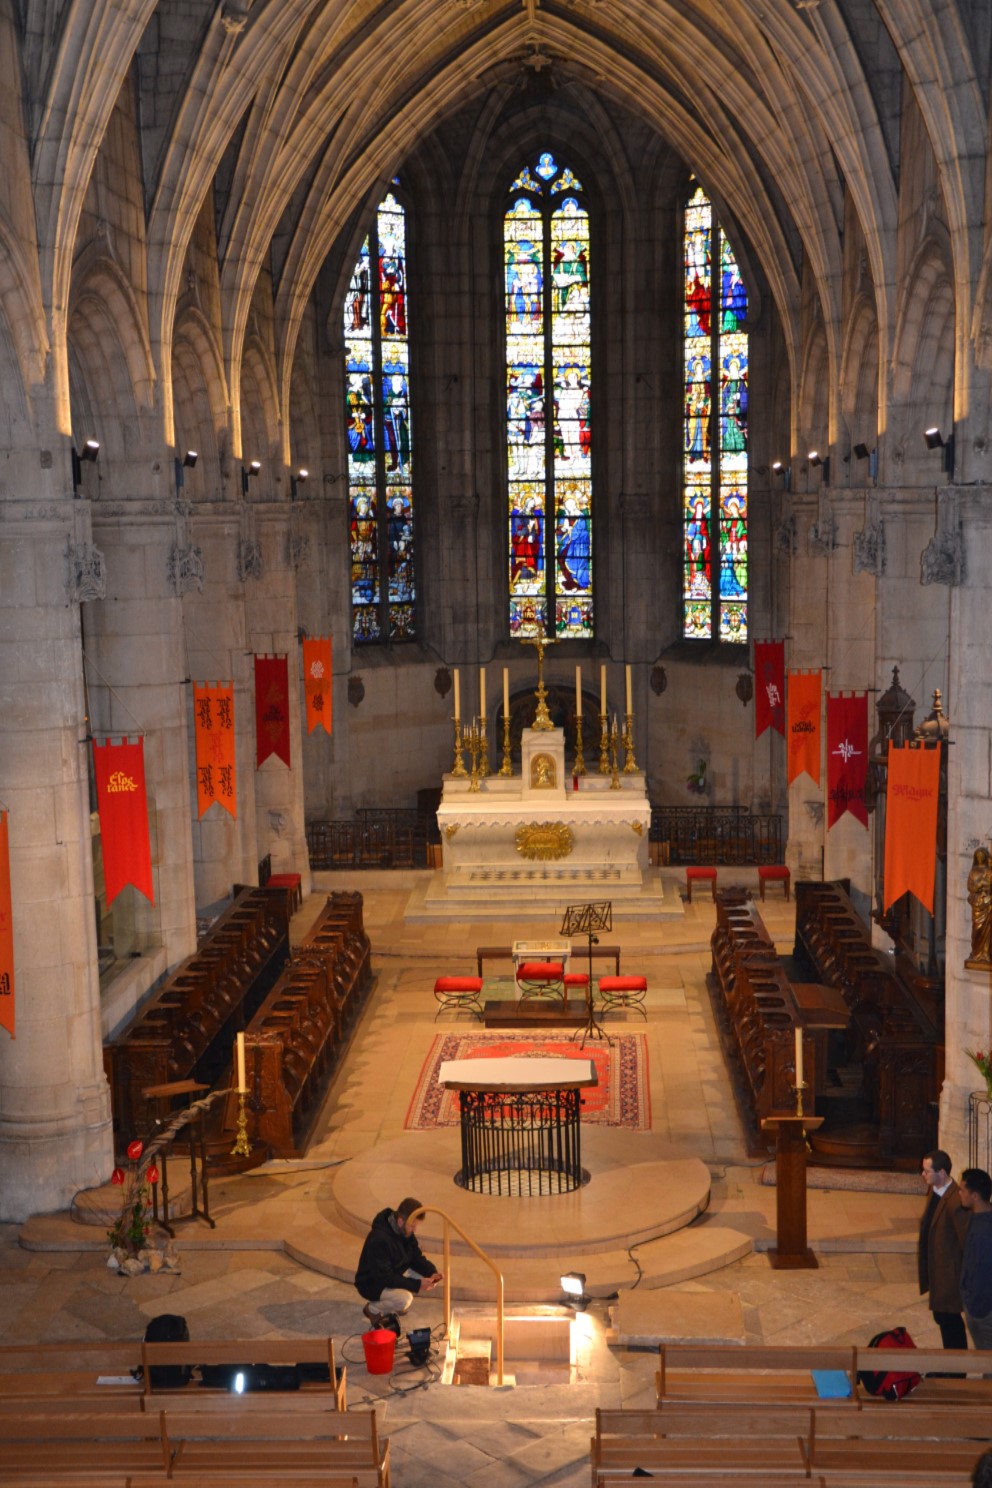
[785, 537]
[980, 899]
[544, 841]
[451, 829]
[185, 569]
[442, 682]
[356, 690]
[868, 554]
[814, 810]
[234, 16]
[942, 560]
[822, 536]
[299, 551]
[542, 773]
[250, 565]
[85, 577]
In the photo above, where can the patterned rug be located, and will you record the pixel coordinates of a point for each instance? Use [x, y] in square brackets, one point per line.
[622, 1097]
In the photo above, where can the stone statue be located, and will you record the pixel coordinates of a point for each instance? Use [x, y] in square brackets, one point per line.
[980, 899]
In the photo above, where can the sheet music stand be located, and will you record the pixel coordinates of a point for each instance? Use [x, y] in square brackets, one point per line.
[586, 919]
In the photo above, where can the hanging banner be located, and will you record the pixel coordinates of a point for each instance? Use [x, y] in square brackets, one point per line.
[911, 824]
[213, 727]
[123, 806]
[317, 682]
[803, 731]
[6, 933]
[769, 673]
[847, 756]
[271, 708]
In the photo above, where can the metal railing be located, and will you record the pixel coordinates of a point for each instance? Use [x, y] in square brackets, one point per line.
[373, 838]
[717, 834]
[449, 1225]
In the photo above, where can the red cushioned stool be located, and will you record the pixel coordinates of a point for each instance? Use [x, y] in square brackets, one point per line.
[541, 979]
[291, 881]
[699, 875]
[458, 994]
[577, 981]
[774, 873]
[623, 992]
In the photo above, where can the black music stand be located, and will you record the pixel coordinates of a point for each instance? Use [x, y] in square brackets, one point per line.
[586, 919]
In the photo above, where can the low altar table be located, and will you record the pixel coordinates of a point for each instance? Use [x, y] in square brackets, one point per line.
[519, 1123]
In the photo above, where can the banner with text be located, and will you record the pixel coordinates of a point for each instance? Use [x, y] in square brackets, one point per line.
[847, 756]
[769, 671]
[6, 933]
[911, 824]
[271, 708]
[803, 702]
[213, 725]
[123, 807]
[317, 682]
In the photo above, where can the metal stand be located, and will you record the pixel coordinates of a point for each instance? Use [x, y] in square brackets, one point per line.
[586, 919]
[194, 1117]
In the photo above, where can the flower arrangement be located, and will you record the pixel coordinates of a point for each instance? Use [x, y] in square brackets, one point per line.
[983, 1063]
[129, 1233]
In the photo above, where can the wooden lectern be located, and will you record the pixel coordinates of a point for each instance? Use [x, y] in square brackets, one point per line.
[792, 1252]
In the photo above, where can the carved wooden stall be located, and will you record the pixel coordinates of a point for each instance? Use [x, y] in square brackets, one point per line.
[187, 1028]
[894, 1035]
[295, 1039]
[759, 1012]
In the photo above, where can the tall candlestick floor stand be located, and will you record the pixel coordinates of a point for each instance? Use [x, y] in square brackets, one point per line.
[242, 1146]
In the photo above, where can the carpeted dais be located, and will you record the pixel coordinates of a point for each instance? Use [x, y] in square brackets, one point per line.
[621, 1098]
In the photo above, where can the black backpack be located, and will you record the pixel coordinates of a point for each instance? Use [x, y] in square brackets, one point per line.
[168, 1327]
[893, 1384]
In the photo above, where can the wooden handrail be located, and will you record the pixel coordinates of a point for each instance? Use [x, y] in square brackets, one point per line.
[450, 1224]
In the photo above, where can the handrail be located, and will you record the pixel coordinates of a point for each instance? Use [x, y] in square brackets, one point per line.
[450, 1224]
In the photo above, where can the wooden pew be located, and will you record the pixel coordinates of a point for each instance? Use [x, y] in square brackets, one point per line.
[907, 1445]
[62, 1440]
[246, 1352]
[267, 1438]
[69, 1372]
[749, 1438]
[753, 1373]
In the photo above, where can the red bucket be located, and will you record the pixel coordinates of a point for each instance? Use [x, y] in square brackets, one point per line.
[379, 1345]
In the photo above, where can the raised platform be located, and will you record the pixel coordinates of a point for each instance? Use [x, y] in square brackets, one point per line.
[534, 1013]
[538, 891]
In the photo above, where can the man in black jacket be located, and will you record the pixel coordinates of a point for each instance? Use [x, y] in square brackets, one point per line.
[392, 1266]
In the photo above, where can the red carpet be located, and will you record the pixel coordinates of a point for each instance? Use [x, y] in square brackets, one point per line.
[622, 1097]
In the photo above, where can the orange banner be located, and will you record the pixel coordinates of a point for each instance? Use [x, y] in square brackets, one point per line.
[6, 933]
[803, 725]
[911, 824]
[317, 682]
[213, 724]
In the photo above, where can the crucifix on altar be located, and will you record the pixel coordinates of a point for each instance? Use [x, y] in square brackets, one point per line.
[542, 719]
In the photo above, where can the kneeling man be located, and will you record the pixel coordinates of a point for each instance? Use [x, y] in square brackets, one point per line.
[392, 1267]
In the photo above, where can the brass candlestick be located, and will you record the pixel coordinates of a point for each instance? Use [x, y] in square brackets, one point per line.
[542, 718]
[459, 766]
[506, 768]
[614, 747]
[604, 746]
[799, 1088]
[629, 764]
[242, 1147]
[484, 751]
[473, 749]
[579, 767]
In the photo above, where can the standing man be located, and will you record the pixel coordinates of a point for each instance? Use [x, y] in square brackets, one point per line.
[975, 1194]
[392, 1266]
[943, 1229]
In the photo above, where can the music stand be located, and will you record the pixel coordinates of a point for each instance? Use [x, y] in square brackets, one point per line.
[586, 919]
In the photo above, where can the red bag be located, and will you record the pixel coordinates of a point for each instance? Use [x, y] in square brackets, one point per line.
[894, 1384]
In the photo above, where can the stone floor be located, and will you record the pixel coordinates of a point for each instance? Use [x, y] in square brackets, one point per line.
[531, 1435]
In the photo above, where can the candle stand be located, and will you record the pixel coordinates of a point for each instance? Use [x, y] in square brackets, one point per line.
[458, 768]
[506, 768]
[604, 745]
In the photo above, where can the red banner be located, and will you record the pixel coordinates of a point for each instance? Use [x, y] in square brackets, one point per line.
[769, 671]
[317, 682]
[271, 708]
[123, 806]
[847, 756]
[911, 824]
[803, 736]
[6, 933]
[213, 726]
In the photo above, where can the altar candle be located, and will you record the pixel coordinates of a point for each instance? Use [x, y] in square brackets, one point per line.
[242, 1083]
[629, 708]
[578, 692]
[602, 687]
[506, 692]
[799, 1056]
[458, 696]
[482, 692]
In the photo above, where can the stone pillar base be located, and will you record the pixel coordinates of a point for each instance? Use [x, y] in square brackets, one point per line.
[41, 1169]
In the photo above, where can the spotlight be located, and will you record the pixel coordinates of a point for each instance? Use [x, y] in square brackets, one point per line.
[821, 461]
[573, 1285]
[190, 458]
[187, 462]
[299, 479]
[785, 471]
[934, 439]
[238, 1384]
[247, 471]
[862, 452]
[89, 452]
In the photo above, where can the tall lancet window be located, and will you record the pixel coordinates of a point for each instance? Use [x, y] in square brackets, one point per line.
[548, 388]
[714, 492]
[380, 470]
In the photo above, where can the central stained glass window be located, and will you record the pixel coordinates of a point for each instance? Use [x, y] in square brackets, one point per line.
[548, 391]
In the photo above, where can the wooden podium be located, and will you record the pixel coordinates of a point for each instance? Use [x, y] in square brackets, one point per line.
[792, 1252]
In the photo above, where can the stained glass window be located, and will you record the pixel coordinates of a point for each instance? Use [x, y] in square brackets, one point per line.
[379, 444]
[548, 391]
[714, 491]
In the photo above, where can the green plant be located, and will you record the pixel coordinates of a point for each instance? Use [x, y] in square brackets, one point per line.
[131, 1228]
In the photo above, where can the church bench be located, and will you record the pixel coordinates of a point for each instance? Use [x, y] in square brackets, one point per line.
[914, 1442]
[258, 1437]
[235, 1478]
[737, 1374]
[43, 1445]
[626, 1439]
[315, 1351]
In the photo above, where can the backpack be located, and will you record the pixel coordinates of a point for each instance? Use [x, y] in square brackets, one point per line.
[168, 1327]
[893, 1384]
